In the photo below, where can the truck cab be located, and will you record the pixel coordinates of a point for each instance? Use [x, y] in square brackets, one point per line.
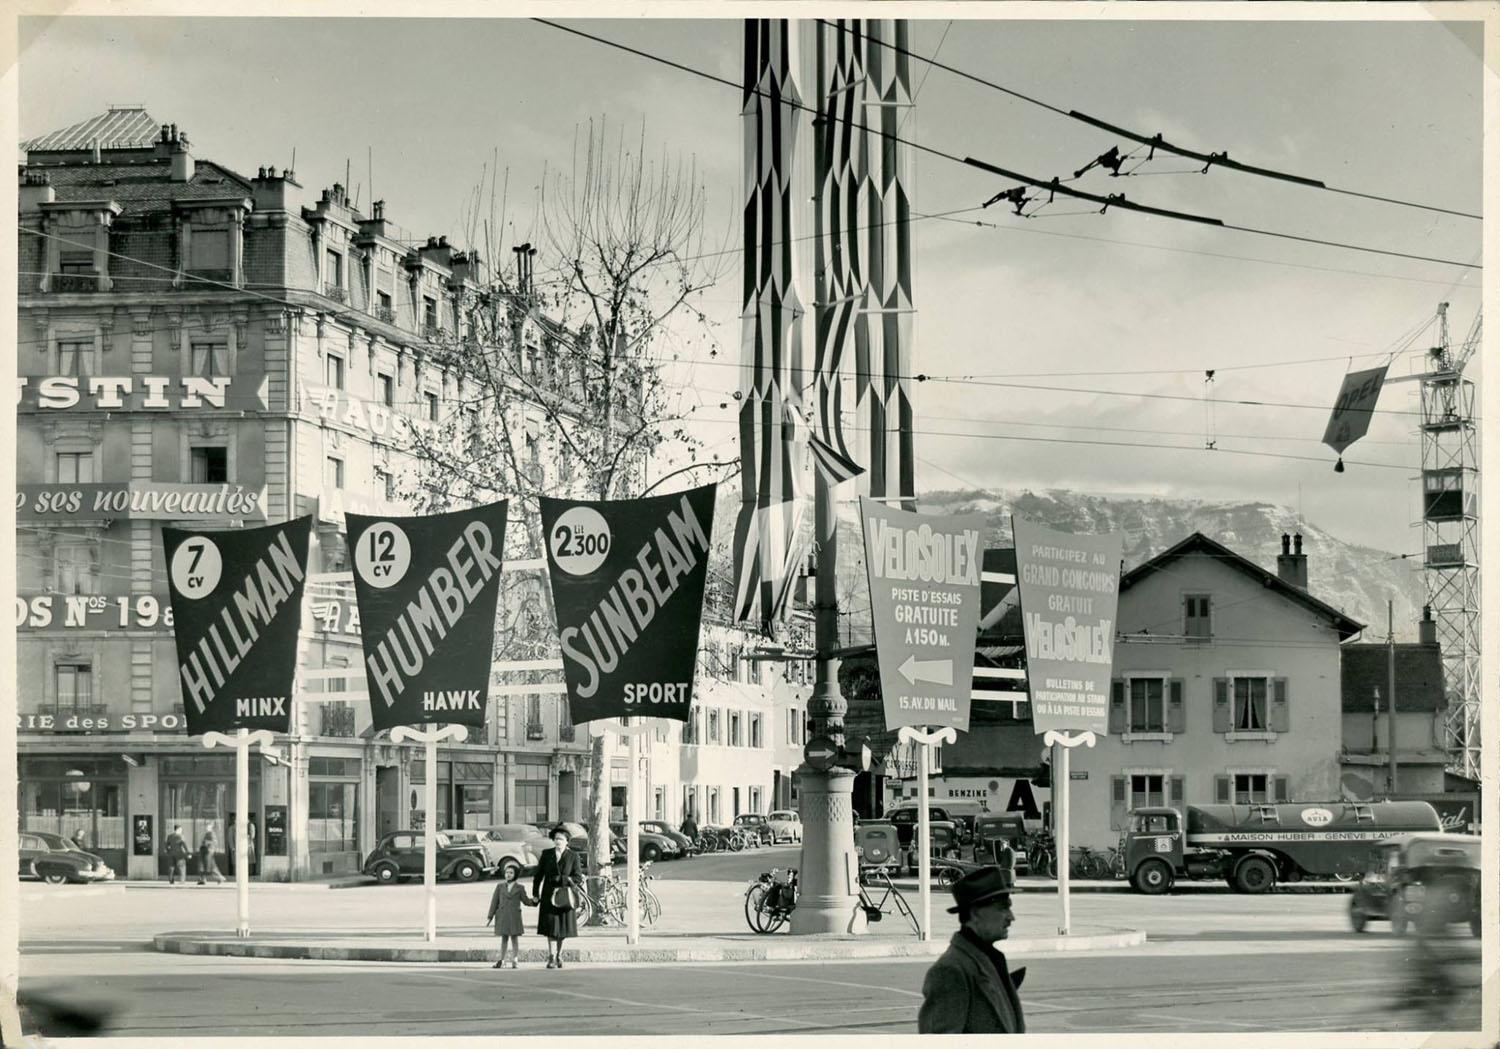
[1153, 848]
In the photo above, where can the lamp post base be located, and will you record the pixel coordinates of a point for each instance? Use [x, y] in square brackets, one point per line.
[828, 879]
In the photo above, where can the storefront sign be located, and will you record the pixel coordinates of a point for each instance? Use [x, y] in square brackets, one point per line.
[627, 582]
[336, 616]
[142, 837]
[1352, 411]
[122, 392]
[1070, 586]
[65, 722]
[924, 600]
[139, 501]
[237, 598]
[275, 830]
[93, 612]
[427, 588]
[375, 421]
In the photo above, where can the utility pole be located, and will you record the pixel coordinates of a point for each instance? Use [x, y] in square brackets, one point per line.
[1390, 668]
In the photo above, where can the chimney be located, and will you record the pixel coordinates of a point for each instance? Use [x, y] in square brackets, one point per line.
[1427, 628]
[36, 189]
[272, 192]
[439, 251]
[182, 160]
[524, 254]
[1291, 563]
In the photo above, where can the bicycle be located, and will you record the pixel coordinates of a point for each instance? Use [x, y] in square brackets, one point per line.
[1116, 862]
[881, 876]
[1089, 864]
[770, 899]
[1041, 854]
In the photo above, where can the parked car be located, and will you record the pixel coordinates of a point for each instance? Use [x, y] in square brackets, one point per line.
[685, 846]
[56, 860]
[652, 846]
[518, 851]
[578, 841]
[755, 823]
[1431, 878]
[400, 854]
[785, 825]
[905, 819]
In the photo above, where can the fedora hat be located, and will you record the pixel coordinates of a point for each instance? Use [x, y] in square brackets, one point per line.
[980, 885]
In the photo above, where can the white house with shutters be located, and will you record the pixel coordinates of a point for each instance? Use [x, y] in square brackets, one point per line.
[1226, 689]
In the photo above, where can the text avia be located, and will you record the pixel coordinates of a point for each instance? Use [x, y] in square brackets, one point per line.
[439, 605]
[266, 588]
[637, 595]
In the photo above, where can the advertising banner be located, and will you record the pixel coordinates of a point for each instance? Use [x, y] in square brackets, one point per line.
[627, 582]
[142, 837]
[1070, 587]
[93, 612]
[237, 603]
[426, 589]
[1351, 412]
[924, 603]
[139, 501]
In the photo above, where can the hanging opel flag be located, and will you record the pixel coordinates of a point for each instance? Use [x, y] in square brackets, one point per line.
[237, 606]
[427, 589]
[627, 583]
[1351, 412]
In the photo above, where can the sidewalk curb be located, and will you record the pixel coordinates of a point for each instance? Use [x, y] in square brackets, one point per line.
[776, 948]
[352, 882]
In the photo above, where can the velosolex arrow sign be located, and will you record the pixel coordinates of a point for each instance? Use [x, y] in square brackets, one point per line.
[924, 599]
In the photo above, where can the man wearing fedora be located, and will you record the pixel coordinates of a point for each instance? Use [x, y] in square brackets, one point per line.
[970, 989]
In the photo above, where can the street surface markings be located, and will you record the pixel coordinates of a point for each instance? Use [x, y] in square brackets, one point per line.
[813, 979]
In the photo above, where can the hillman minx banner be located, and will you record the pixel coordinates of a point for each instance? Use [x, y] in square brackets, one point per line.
[627, 582]
[237, 605]
[1070, 587]
[426, 588]
[924, 602]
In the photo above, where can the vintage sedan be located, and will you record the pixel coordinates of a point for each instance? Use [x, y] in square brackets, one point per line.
[785, 824]
[401, 854]
[57, 861]
[1427, 879]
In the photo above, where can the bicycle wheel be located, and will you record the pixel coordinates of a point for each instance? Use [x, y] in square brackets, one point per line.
[650, 908]
[759, 916]
[1091, 867]
[585, 907]
[736, 843]
[905, 909]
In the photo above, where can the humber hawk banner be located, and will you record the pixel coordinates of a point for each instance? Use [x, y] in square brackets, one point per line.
[237, 605]
[1070, 588]
[925, 579]
[627, 582]
[427, 589]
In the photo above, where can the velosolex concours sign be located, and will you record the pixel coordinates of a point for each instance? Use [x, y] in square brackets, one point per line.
[627, 583]
[427, 589]
[1070, 588]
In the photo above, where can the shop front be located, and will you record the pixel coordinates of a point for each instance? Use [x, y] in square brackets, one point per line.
[465, 792]
[196, 793]
[80, 797]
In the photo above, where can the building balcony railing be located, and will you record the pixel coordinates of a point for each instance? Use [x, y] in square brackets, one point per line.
[567, 733]
[72, 283]
[82, 710]
[336, 294]
[386, 314]
[534, 731]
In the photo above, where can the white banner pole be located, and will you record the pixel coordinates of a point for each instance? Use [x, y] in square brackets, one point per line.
[429, 838]
[1060, 780]
[924, 837]
[241, 832]
[633, 840]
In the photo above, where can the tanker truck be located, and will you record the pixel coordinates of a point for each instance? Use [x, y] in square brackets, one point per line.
[1252, 847]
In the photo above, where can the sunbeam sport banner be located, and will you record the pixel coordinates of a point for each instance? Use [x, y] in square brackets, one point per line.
[236, 607]
[627, 583]
[426, 589]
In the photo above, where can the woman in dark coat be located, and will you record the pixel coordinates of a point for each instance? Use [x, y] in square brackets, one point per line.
[559, 869]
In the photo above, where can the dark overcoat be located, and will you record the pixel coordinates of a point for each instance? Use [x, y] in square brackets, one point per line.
[505, 908]
[554, 874]
[965, 994]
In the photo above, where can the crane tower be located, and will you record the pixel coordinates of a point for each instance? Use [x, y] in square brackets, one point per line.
[1450, 530]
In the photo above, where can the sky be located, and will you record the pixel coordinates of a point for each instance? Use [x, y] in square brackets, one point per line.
[1040, 333]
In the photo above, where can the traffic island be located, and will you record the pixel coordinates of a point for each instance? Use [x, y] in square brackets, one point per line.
[481, 948]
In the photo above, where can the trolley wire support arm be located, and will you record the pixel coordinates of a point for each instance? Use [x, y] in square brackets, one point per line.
[241, 741]
[431, 737]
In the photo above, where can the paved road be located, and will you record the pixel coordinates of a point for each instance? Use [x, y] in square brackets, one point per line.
[728, 866]
[1165, 988]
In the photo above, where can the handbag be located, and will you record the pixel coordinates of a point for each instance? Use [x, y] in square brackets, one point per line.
[562, 899]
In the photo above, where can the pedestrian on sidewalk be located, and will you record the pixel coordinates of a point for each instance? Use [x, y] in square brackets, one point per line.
[206, 865]
[505, 912]
[690, 827]
[970, 989]
[81, 839]
[177, 856]
[558, 876]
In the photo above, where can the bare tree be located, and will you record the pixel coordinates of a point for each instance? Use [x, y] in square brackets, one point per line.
[560, 375]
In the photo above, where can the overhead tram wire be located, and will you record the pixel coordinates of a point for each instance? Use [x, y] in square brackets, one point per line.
[1113, 200]
[1158, 142]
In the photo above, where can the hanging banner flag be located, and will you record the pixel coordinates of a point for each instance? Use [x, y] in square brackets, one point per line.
[426, 589]
[924, 602]
[237, 607]
[627, 582]
[1070, 588]
[1351, 412]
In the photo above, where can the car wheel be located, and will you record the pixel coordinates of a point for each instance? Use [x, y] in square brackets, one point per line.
[466, 870]
[651, 854]
[1255, 875]
[1399, 920]
[386, 873]
[1153, 877]
[52, 877]
[1357, 917]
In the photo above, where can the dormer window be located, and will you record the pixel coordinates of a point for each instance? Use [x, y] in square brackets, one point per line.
[209, 254]
[429, 313]
[333, 275]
